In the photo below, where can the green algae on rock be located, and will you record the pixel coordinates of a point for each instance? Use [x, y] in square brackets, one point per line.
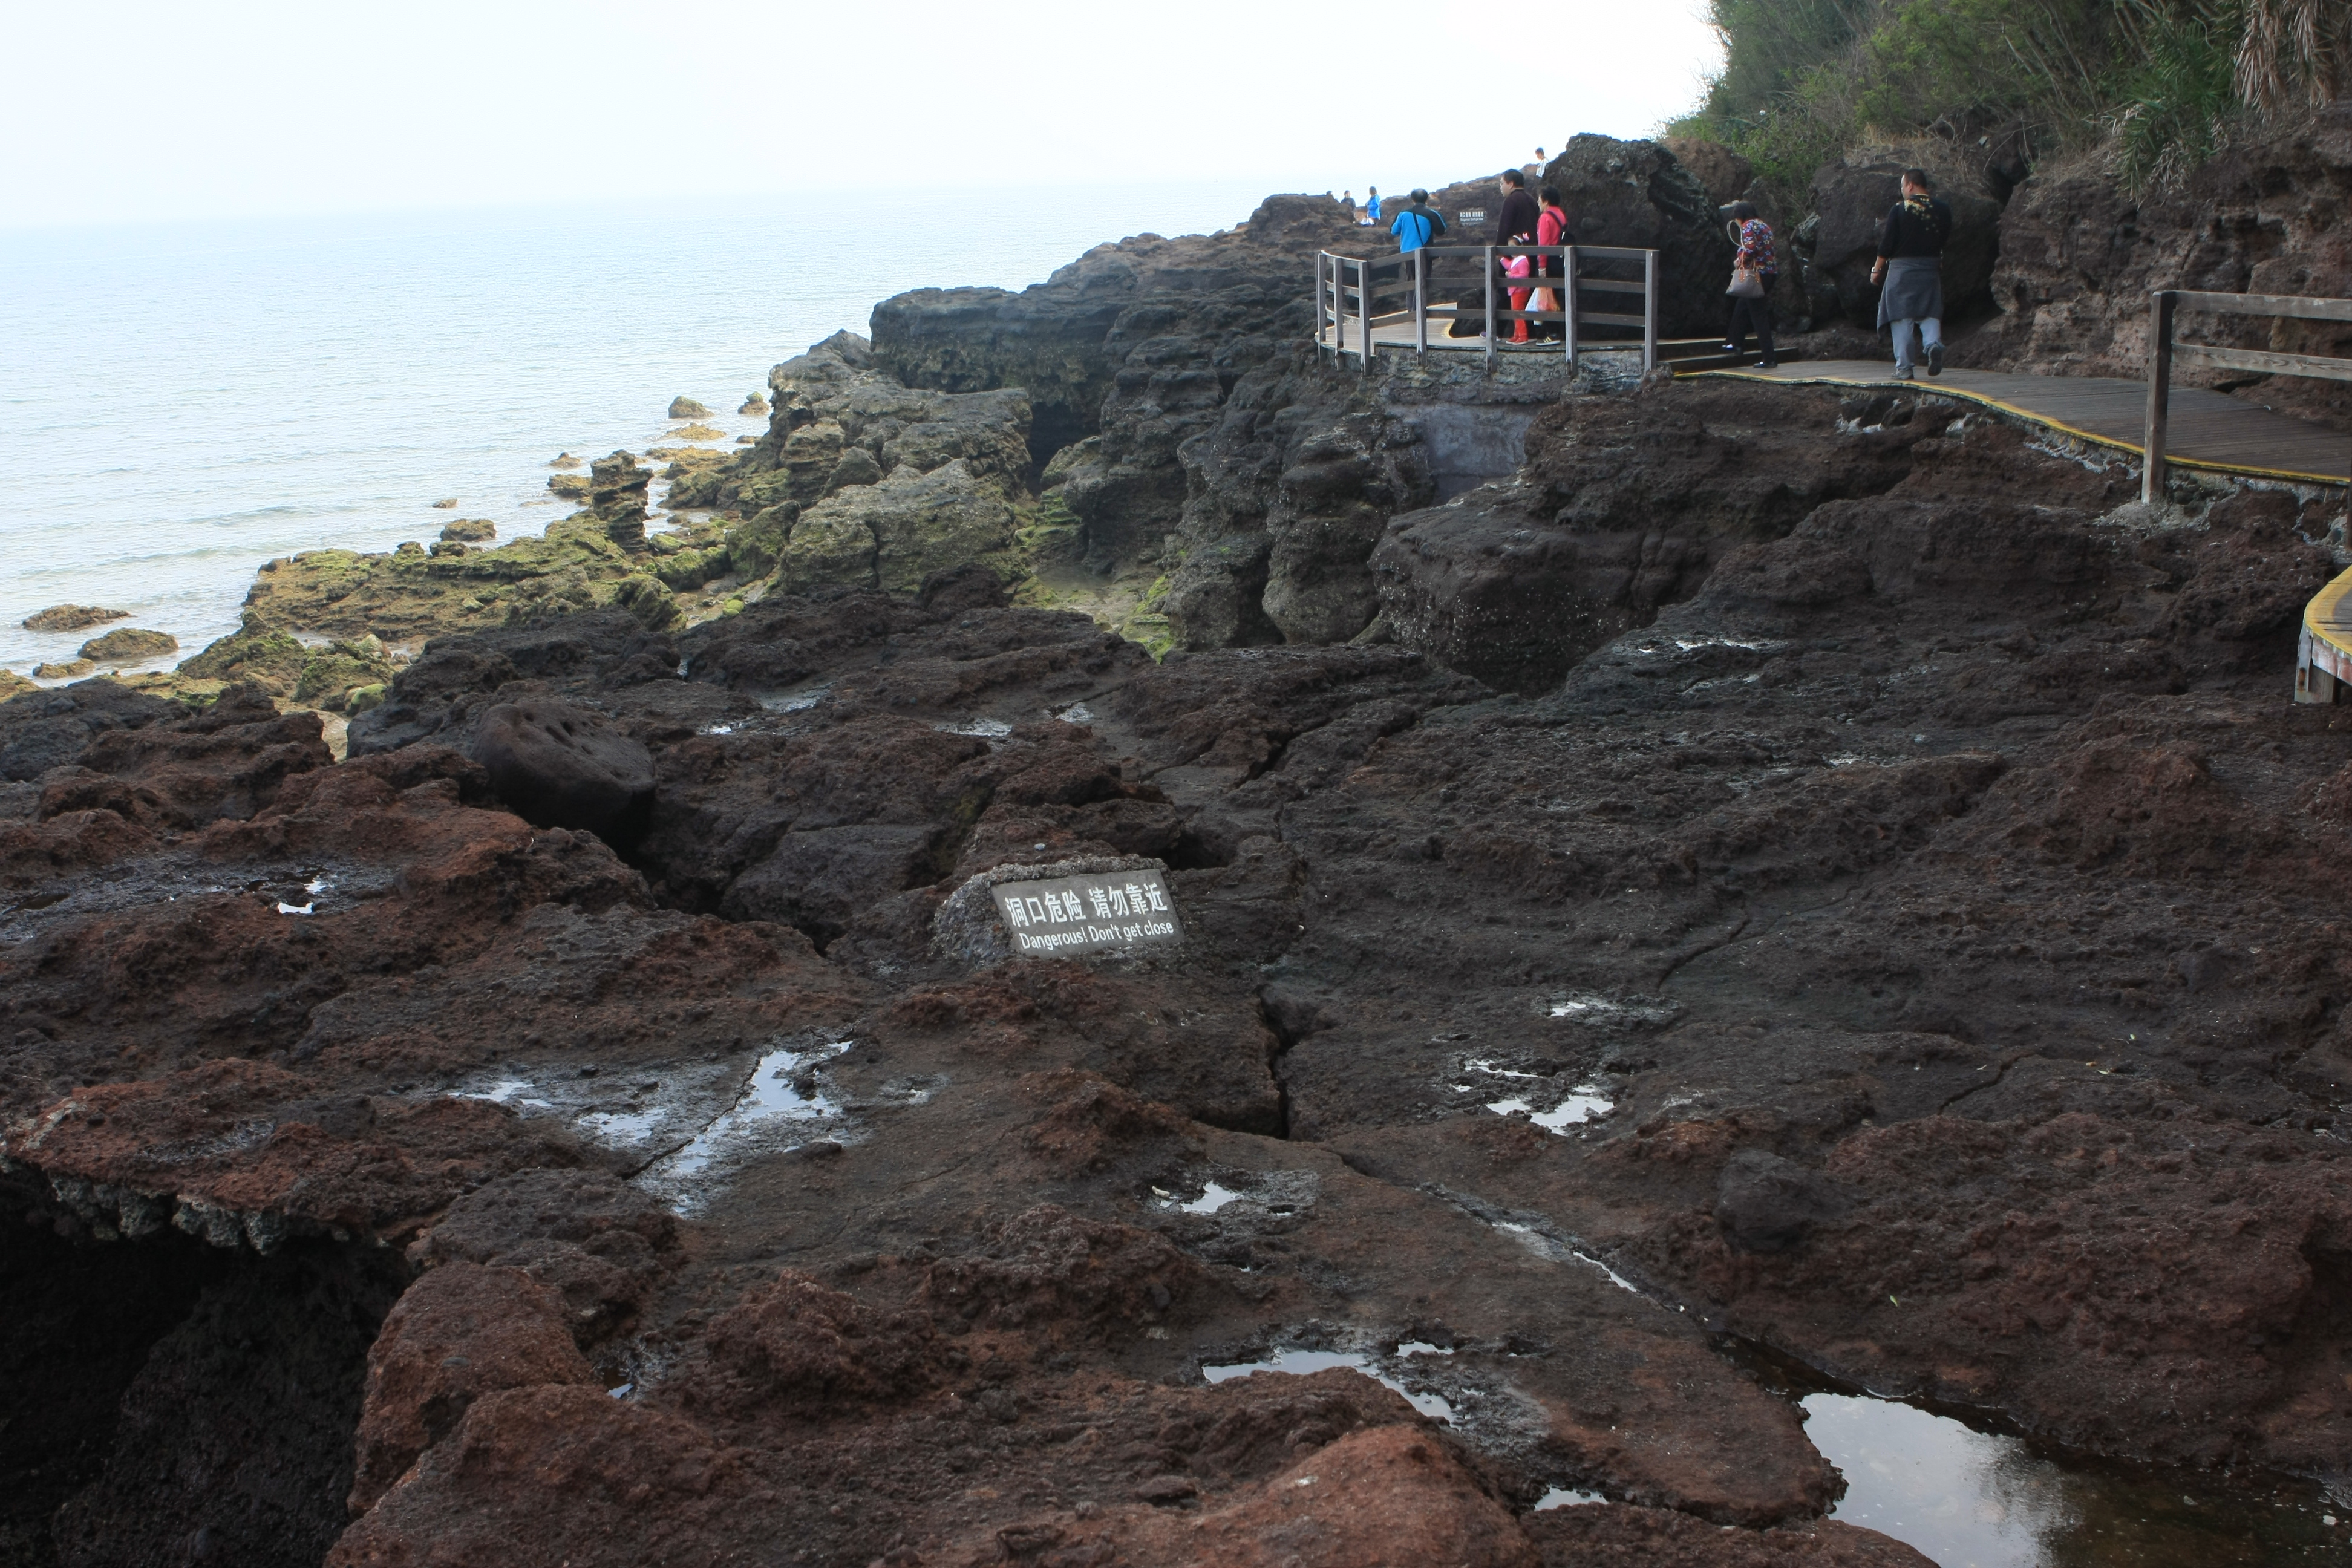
[71, 617]
[684, 407]
[129, 644]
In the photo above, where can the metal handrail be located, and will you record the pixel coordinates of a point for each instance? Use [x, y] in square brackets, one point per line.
[1335, 293]
[2163, 352]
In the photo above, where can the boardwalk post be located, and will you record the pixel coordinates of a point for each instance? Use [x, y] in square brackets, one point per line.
[1568, 298]
[1490, 309]
[1649, 311]
[2160, 303]
[1565, 298]
[1421, 302]
[1364, 304]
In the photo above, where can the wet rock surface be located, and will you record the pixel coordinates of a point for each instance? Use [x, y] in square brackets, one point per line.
[1888, 919]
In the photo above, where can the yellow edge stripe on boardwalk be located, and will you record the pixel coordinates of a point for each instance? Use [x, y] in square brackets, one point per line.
[2322, 619]
[1943, 390]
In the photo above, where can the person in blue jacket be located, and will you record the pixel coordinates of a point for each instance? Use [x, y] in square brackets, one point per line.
[1372, 207]
[1415, 228]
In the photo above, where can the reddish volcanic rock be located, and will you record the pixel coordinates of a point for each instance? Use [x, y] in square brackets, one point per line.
[460, 1332]
[561, 1475]
[1389, 1497]
[1900, 925]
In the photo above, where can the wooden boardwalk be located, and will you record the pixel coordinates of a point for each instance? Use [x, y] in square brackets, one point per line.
[2210, 429]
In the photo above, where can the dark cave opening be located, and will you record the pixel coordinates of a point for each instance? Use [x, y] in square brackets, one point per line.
[164, 1402]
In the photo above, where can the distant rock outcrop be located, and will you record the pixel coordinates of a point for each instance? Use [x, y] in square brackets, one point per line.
[687, 408]
[71, 617]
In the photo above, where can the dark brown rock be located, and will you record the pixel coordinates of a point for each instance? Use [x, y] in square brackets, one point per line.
[563, 766]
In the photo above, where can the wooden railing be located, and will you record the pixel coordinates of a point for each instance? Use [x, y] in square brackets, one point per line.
[2163, 353]
[1347, 291]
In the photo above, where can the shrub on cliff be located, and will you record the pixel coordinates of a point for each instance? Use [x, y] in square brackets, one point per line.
[2157, 85]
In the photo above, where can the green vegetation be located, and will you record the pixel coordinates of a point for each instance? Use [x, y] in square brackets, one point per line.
[2154, 85]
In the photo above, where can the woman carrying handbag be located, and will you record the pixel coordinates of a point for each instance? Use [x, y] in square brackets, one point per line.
[1753, 272]
[1551, 228]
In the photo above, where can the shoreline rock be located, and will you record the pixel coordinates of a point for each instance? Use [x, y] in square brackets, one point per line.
[71, 618]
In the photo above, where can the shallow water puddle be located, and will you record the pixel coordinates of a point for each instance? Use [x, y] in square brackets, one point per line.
[1299, 1363]
[1979, 1500]
[515, 1092]
[772, 1114]
[1585, 1103]
[979, 729]
[1562, 1497]
[1216, 1197]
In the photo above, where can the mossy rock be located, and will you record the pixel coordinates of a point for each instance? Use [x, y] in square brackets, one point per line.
[645, 597]
[72, 669]
[71, 618]
[687, 408]
[360, 698]
[754, 548]
[129, 644]
[13, 685]
[698, 432]
[270, 659]
[572, 486]
[326, 677]
[470, 531]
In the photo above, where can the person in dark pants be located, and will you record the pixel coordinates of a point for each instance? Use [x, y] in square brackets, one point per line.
[1514, 225]
[1757, 261]
[1911, 266]
[1552, 228]
[1416, 228]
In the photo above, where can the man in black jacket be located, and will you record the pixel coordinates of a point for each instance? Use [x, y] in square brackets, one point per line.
[1910, 266]
[1514, 225]
[1518, 215]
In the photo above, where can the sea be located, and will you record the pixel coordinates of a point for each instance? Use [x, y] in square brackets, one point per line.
[186, 401]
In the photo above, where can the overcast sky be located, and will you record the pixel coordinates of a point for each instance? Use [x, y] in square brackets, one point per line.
[138, 111]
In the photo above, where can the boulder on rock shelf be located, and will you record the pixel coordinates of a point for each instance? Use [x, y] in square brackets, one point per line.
[571, 487]
[687, 408]
[72, 669]
[129, 644]
[472, 530]
[270, 659]
[563, 460]
[561, 767]
[754, 406]
[1639, 195]
[71, 617]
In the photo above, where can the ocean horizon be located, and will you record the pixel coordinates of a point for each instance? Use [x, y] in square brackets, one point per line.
[196, 399]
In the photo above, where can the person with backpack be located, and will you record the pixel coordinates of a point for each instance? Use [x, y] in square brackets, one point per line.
[1754, 271]
[1910, 266]
[1416, 228]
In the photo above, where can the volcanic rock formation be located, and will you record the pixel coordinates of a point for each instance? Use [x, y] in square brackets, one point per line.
[1883, 915]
